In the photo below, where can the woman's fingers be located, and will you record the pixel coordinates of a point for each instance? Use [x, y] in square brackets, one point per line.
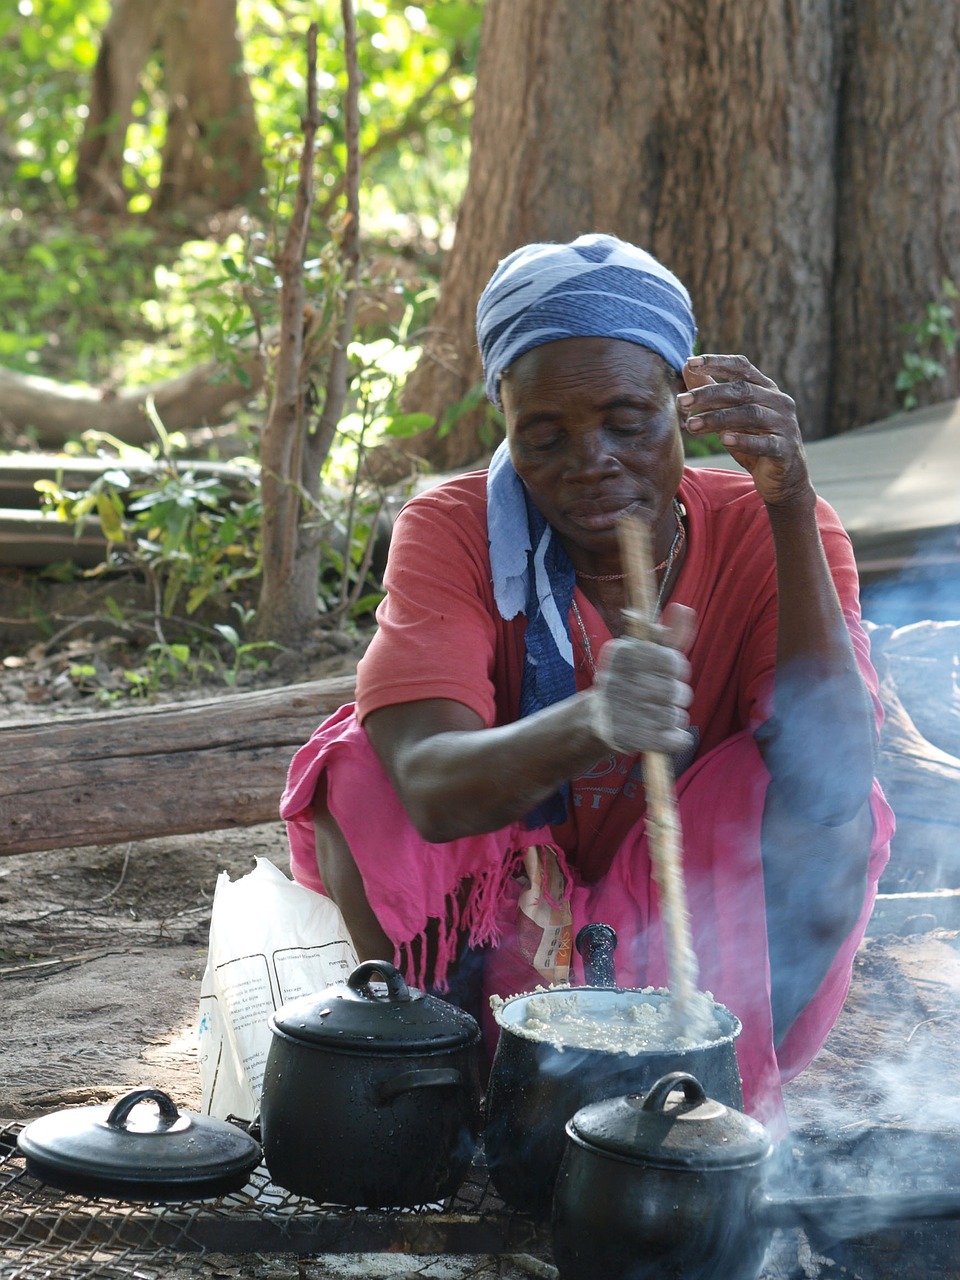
[754, 420]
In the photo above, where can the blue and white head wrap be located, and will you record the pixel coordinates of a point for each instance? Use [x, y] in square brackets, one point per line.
[596, 287]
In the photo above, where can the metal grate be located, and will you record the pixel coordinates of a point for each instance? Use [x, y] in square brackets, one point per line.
[48, 1234]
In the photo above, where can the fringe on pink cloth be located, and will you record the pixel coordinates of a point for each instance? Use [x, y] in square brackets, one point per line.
[474, 886]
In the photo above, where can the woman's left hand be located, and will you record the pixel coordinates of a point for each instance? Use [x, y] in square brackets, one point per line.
[755, 420]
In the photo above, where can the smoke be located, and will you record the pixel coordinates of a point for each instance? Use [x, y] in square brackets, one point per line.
[926, 587]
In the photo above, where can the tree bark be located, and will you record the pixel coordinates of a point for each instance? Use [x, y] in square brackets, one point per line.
[756, 148]
[172, 770]
[898, 225]
[291, 455]
[211, 156]
[125, 45]
[57, 412]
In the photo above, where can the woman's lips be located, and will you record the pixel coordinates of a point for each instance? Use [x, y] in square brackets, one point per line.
[605, 513]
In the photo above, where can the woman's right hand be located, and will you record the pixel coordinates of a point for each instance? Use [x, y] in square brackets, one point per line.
[642, 692]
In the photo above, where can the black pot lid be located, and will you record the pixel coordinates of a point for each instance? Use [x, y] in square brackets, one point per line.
[670, 1132]
[375, 1017]
[139, 1152]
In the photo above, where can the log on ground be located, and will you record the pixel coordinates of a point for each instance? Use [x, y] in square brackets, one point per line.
[177, 769]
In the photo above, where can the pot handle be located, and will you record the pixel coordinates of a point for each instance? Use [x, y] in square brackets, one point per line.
[169, 1115]
[827, 1219]
[409, 1080]
[597, 943]
[359, 980]
[693, 1091]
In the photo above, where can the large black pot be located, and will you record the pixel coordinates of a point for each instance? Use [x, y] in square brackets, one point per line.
[670, 1186]
[371, 1093]
[536, 1085]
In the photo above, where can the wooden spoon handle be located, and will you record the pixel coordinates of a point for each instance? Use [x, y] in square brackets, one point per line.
[663, 824]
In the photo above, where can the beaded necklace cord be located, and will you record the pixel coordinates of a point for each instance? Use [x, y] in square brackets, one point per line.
[678, 539]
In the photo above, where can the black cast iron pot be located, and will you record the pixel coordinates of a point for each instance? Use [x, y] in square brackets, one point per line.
[371, 1093]
[536, 1085]
[670, 1186]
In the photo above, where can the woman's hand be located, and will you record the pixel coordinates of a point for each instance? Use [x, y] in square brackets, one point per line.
[755, 420]
[641, 695]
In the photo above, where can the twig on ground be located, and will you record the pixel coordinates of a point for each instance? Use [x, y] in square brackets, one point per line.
[34, 966]
[123, 876]
[940, 1017]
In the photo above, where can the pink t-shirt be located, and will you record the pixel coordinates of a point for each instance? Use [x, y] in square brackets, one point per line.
[441, 636]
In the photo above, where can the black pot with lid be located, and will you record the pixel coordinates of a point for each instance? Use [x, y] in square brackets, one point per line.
[143, 1148]
[660, 1185]
[671, 1185]
[371, 1093]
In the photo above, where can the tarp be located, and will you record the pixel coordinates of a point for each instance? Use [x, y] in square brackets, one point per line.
[895, 485]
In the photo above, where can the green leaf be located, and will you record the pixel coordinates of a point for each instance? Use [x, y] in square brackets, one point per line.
[109, 510]
[229, 633]
[408, 424]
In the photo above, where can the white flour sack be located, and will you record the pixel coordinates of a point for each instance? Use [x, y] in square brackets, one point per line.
[271, 940]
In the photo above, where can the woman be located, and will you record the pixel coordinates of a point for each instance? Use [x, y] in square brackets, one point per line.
[487, 786]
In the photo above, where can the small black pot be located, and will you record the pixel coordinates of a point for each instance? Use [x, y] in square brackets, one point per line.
[135, 1152]
[658, 1187]
[371, 1094]
[536, 1086]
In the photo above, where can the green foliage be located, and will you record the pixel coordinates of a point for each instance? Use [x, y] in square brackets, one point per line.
[47, 51]
[347, 519]
[190, 537]
[70, 298]
[933, 337]
[107, 301]
[130, 300]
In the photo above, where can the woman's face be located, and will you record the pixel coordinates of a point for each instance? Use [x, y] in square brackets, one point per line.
[593, 432]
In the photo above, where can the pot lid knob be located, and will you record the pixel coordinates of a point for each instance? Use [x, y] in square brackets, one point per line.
[674, 1125]
[368, 1016]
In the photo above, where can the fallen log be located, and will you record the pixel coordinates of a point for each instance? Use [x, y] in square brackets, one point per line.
[218, 763]
[177, 769]
[58, 412]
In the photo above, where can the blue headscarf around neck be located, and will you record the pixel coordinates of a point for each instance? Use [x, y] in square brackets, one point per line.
[597, 286]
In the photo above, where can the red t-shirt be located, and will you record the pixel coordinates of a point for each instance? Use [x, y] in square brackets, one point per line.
[440, 634]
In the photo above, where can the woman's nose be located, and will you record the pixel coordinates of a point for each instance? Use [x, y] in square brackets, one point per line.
[593, 457]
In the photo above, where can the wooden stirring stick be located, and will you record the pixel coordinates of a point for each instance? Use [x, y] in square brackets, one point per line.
[663, 825]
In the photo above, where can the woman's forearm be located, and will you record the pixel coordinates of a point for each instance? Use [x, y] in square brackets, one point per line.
[460, 779]
[820, 748]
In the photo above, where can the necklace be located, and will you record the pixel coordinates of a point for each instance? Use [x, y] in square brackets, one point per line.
[678, 540]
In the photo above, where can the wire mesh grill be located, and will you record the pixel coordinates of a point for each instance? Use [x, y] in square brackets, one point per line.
[49, 1234]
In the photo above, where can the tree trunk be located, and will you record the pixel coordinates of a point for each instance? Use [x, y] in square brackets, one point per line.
[898, 224]
[745, 207]
[211, 156]
[125, 45]
[756, 148]
[546, 163]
